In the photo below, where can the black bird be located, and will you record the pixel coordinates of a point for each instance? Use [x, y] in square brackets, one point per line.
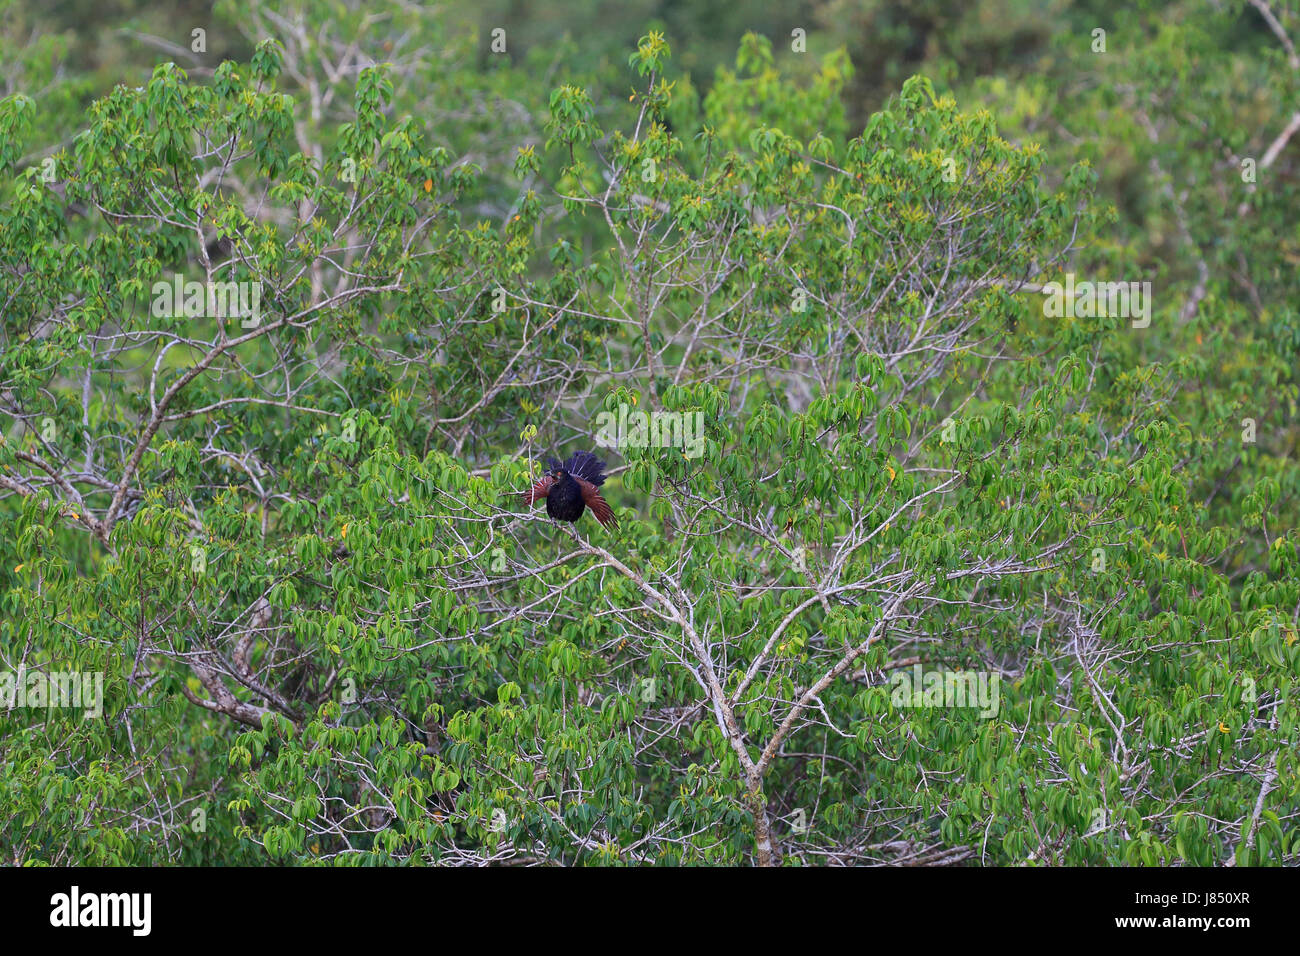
[571, 488]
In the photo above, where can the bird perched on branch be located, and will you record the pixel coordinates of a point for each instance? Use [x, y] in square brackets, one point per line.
[571, 488]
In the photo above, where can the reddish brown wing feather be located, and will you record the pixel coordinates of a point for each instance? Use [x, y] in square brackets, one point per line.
[538, 491]
[598, 505]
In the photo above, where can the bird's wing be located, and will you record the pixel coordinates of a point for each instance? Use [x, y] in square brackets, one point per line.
[598, 505]
[538, 491]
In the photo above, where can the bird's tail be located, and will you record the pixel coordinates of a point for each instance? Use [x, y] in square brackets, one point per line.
[585, 465]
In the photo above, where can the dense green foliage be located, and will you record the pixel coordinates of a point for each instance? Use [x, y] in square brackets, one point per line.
[327, 632]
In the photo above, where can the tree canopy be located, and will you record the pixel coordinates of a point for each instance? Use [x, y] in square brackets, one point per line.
[953, 424]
